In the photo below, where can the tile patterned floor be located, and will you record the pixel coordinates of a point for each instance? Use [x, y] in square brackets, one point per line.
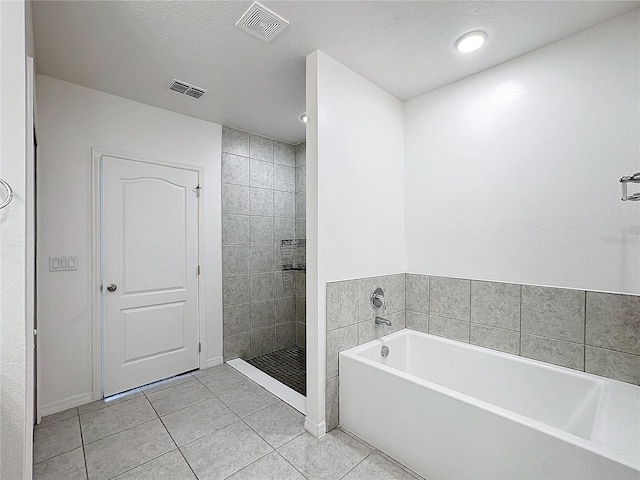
[288, 366]
[207, 425]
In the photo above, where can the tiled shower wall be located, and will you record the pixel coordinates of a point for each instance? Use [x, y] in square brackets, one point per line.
[300, 277]
[588, 331]
[350, 322]
[258, 210]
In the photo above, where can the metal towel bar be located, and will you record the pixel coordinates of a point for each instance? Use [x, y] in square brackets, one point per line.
[7, 200]
[635, 178]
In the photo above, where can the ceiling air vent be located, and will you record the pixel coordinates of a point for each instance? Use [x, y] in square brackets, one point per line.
[195, 92]
[187, 89]
[261, 22]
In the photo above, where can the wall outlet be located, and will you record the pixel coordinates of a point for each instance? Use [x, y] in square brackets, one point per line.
[62, 264]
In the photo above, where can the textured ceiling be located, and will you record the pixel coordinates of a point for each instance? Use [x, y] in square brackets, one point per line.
[132, 49]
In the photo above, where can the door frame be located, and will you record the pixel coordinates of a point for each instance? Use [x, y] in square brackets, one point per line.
[97, 307]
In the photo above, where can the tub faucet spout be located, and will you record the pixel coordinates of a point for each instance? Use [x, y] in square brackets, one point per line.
[383, 321]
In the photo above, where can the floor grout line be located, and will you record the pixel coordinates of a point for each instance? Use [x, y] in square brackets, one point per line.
[356, 465]
[84, 452]
[124, 430]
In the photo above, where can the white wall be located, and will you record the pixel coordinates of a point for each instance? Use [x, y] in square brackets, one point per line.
[71, 120]
[512, 174]
[16, 381]
[355, 193]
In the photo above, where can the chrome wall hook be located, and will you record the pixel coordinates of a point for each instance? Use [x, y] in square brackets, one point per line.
[635, 178]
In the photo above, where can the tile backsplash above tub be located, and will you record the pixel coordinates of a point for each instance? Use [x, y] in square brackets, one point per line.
[588, 331]
[351, 322]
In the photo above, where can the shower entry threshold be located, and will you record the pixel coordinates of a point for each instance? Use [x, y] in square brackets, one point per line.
[279, 389]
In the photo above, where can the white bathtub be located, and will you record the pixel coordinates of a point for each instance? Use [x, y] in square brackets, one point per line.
[450, 410]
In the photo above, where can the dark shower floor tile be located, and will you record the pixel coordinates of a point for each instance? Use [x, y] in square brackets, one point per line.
[288, 366]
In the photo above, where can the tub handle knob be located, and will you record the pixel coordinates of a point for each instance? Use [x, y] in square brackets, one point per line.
[377, 299]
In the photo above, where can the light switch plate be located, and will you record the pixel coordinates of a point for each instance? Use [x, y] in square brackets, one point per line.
[62, 264]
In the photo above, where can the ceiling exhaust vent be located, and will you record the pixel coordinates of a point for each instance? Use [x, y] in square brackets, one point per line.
[187, 89]
[261, 22]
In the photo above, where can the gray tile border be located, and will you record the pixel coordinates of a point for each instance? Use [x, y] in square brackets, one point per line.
[617, 365]
[449, 328]
[338, 340]
[553, 312]
[550, 350]
[368, 330]
[417, 321]
[394, 293]
[501, 339]
[450, 297]
[496, 304]
[332, 403]
[417, 293]
[613, 322]
[342, 304]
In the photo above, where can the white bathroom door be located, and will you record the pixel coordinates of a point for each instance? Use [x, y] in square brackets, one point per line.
[150, 272]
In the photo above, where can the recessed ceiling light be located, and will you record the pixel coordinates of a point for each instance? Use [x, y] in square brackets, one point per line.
[304, 118]
[471, 41]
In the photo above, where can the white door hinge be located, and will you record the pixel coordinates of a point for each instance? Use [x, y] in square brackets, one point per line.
[199, 348]
[198, 270]
[197, 190]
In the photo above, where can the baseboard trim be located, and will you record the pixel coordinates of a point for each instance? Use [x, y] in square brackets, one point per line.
[318, 430]
[212, 362]
[65, 404]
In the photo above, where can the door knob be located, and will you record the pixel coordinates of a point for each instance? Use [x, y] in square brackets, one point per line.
[112, 287]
